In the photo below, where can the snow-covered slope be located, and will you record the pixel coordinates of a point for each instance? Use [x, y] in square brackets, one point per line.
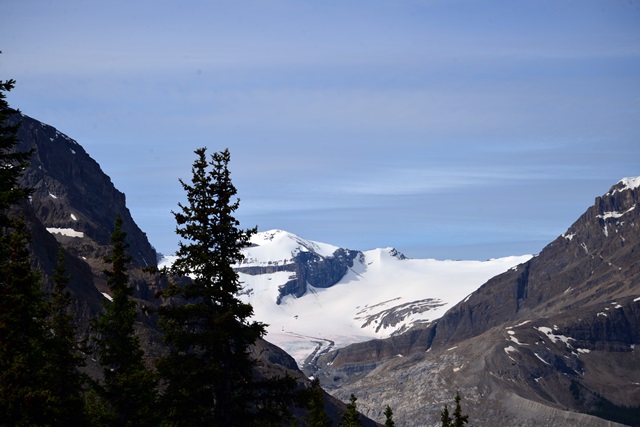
[278, 247]
[381, 293]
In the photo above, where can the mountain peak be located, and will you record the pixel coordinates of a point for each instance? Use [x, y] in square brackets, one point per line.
[75, 201]
[279, 247]
[630, 183]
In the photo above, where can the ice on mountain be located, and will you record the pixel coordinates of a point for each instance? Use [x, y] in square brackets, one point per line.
[554, 337]
[377, 283]
[541, 359]
[615, 214]
[628, 184]
[69, 232]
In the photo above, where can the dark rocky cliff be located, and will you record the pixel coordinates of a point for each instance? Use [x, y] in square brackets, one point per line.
[309, 268]
[72, 192]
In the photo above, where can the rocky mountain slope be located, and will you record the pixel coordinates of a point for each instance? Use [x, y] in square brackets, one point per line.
[73, 197]
[551, 342]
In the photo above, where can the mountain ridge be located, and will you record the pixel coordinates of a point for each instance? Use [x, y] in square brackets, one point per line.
[316, 296]
[558, 332]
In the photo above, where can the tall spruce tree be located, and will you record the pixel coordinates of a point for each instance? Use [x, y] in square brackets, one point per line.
[351, 417]
[64, 357]
[127, 396]
[24, 389]
[445, 418]
[208, 372]
[388, 415]
[25, 396]
[12, 162]
[459, 420]
[317, 416]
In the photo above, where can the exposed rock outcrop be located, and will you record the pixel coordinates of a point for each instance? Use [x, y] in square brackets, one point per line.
[73, 194]
[308, 268]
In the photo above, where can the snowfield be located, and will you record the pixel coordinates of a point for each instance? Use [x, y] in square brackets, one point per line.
[381, 294]
[353, 310]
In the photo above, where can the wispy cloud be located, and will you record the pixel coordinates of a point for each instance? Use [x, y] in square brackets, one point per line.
[403, 181]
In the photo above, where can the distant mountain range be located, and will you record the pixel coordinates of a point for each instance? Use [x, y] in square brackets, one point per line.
[316, 296]
[548, 340]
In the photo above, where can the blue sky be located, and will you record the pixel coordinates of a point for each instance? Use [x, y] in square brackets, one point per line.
[457, 129]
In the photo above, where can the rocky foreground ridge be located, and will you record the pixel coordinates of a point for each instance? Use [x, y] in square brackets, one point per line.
[549, 343]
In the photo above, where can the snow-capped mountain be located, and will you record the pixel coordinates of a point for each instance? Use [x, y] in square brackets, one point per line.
[316, 296]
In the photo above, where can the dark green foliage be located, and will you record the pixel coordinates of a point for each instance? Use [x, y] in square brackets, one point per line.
[64, 357]
[317, 416]
[25, 398]
[627, 415]
[445, 418]
[271, 401]
[13, 163]
[127, 395]
[24, 392]
[351, 417]
[597, 405]
[458, 420]
[388, 415]
[575, 390]
[208, 372]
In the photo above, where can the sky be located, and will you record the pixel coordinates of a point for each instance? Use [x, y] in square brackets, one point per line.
[448, 129]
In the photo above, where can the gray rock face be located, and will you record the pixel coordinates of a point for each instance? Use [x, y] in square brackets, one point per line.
[545, 343]
[309, 268]
[71, 192]
[74, 204]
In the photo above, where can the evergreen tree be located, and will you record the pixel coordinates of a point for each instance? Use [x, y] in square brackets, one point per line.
[24, 396]
[208, 372]
[12, 163]
[317, 416]
[388, 415]
[459, 420]
[271, 402]
[351, 417]
[64, 358]
[127, 396]
[445, 417]
[25, 399]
